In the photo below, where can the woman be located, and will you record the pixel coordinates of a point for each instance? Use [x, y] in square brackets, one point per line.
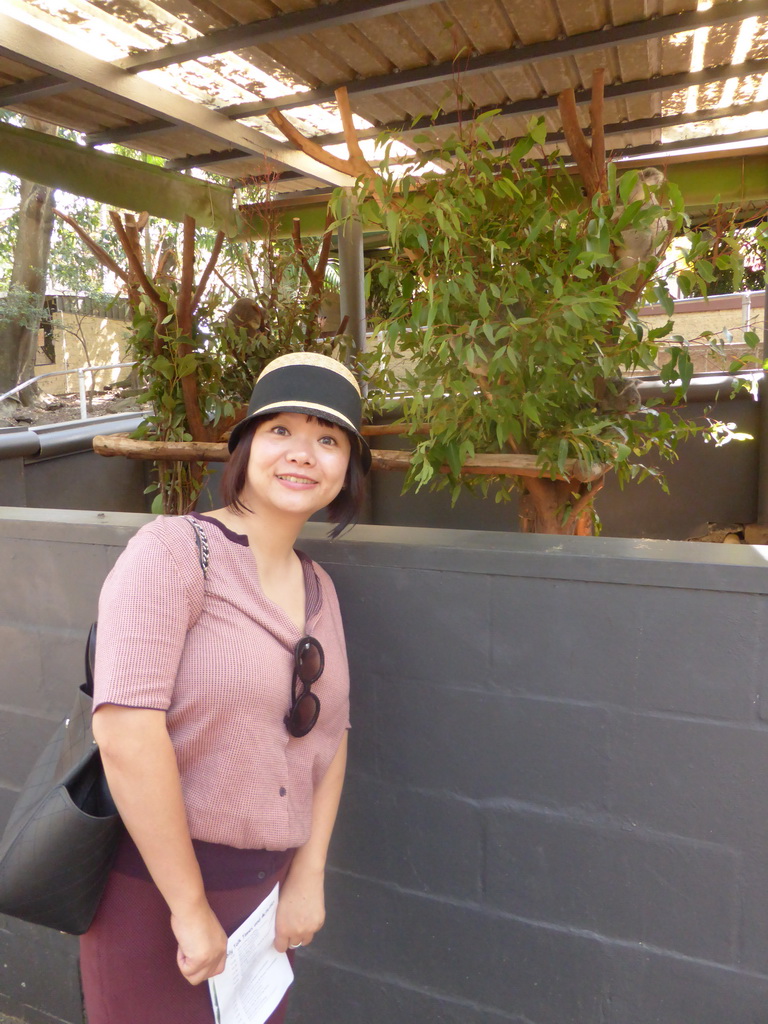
[221, 707]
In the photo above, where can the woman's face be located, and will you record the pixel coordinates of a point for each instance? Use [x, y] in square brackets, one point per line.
[296, 465]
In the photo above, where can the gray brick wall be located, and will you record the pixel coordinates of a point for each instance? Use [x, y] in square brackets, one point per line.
[556, 804]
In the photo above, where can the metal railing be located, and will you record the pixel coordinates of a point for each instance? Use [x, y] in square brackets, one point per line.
[80, 371]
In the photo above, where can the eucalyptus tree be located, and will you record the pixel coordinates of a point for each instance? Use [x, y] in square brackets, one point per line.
[513, 327]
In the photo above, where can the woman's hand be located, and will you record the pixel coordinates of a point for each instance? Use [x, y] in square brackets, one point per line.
[300, 909]
[202, 943]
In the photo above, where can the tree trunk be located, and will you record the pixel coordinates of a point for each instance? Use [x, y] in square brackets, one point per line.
[18, 341]
[558, 507]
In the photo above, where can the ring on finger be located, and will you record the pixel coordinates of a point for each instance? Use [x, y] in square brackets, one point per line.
[295, 945]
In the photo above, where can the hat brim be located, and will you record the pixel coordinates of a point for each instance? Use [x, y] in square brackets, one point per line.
[310, 409]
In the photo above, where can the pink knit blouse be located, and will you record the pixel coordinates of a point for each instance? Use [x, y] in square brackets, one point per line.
[217, 656]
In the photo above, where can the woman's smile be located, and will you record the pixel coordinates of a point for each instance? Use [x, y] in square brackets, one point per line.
[292, 478]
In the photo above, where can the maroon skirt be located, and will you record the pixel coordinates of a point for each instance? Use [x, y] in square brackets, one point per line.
[128, 956]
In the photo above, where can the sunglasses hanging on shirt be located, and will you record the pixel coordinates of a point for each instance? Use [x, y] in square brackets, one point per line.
[309, 662]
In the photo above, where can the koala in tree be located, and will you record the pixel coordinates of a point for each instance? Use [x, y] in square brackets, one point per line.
[638, 246]
[621, 396]
[248, 314]
[166, 266]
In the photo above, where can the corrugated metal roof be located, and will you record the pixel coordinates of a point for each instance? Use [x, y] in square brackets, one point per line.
[648, 76]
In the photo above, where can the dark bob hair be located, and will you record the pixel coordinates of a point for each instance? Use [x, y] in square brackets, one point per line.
[343, 510]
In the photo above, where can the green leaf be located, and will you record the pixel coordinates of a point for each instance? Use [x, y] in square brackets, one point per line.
[629, 216]
[627, 183]
[187, 364]
[562, 455]
[538, 131]
[162, 365]
[664, 299]
[392, 224]
[530, 408]
[685, 367]
[521, 148]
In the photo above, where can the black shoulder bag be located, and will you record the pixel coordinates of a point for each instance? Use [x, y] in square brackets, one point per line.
[60, 841]
[61, 838]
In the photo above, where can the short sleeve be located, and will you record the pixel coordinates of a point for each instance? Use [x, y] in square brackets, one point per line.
[145, 611]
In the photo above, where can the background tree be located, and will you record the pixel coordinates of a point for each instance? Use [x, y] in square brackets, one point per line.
[27, 284]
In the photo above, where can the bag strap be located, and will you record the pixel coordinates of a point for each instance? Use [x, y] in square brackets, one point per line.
[90, 659]
[203, 551]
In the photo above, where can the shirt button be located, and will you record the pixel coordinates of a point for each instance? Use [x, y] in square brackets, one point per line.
[283, 791]
[262, 874]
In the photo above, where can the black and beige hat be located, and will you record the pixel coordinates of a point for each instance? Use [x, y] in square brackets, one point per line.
[310, 383]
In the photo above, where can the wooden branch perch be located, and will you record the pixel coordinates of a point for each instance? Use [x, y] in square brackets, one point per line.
[298, 247]
[212, 260]
[226, 284]
[596, 119]
[577, 142]
[480, 465]
[189, 388]
[325, 250]
[186, 283]
[584, 501]
[357, 162]
[134, 237]
[307, 145]
[176, 451]
[101, 254]
[355, 165]
[136, 267]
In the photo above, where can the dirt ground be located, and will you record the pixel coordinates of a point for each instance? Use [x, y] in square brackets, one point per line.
[63, 408]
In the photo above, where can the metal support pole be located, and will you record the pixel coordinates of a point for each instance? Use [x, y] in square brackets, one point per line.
[762, 397]
[352, 271]
[352, 280]
[81, 386]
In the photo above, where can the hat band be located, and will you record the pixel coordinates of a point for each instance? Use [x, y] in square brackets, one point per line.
[311, 408]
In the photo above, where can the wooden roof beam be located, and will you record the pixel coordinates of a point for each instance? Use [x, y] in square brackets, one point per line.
[22, 42]
[585, 42]
[536, 105]
[268, 30]
[656, 123]
[664, 151]
[116, 180]
[541, 104]
[32, 89]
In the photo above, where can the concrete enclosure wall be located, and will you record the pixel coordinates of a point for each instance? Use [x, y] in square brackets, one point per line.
[556, 809]
[54, 466]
